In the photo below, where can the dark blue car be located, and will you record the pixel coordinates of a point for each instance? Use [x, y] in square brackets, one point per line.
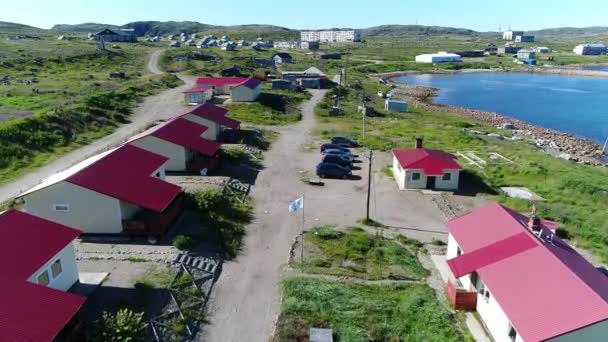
[325, 170]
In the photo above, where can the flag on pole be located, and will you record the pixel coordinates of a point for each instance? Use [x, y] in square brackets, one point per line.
[296, 205]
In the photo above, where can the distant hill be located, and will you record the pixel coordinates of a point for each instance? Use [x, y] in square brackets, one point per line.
[82, 28]
[570, 32]
[398, 31]
[158, 28]
[4, 25]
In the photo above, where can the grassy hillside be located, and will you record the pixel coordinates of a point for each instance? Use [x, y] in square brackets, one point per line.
[416, 30]
[65, 97]
[14, 26]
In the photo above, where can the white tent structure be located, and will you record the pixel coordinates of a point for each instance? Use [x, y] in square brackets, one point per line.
[441, 57]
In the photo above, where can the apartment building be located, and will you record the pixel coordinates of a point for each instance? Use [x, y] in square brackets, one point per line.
[338, 36]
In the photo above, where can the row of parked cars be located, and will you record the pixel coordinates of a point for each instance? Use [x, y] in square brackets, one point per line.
[337, 158]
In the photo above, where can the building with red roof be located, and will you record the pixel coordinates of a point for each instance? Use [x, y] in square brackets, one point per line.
[423, 168]
[40, 268]
[525, 282]
[198, 95]
[182, 142]
[107, 192]
[213, 117]
[240, 89]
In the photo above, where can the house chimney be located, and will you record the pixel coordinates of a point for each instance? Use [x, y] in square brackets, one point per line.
[419, 142]
[534, 221]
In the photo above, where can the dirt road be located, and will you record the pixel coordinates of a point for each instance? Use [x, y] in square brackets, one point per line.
[246, 299]
[161, 106]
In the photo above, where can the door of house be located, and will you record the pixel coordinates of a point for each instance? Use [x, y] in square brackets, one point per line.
[430, 182]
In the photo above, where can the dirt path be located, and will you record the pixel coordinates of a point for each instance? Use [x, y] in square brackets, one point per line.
[161, 106]
[245, 304]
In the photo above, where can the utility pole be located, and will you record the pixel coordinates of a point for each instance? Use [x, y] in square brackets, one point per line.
[369, 181]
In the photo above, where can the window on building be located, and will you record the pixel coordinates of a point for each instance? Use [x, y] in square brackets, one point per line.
[158, 174]
[512, 333]
[416, 176]
[56, 268]
[447, 177]
[61, 207]
[458, 251]
[43, 278]
[486, 295]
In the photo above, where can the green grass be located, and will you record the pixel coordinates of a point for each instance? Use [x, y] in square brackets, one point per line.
[225, 217]
[364, 313]
[575, 194]
[73, 100]
[357, 253]
[276, 108]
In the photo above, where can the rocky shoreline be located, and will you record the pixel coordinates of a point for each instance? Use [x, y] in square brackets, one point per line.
[554, 70]
[554, 142]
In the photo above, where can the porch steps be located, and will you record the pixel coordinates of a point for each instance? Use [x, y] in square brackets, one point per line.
[201, 263]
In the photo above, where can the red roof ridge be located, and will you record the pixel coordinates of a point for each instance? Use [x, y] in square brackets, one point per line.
[432, 161]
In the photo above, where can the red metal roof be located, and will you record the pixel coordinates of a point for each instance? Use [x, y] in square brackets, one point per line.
[197, 90]
[432, 162]
[251, 83]
[213, 113]
[31, 312]
[126, 174]
[545, 291]
[469, 262]
[29, 242]
[221, 81]
[183, 133]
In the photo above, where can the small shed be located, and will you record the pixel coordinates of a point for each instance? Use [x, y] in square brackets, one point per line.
[282, 58]
[399, 106]
[198, 95]
[526, 54]
[247, 91]
[175, 44]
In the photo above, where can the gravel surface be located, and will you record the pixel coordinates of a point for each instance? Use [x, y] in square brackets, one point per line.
[161, 106]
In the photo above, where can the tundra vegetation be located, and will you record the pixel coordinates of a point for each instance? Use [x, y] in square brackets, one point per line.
[67, 94]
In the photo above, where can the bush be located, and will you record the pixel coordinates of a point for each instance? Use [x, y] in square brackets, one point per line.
[124, 326]
[184, 242]
[327, 232]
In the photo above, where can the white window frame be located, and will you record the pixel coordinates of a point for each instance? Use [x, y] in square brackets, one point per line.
[57, 206]
[419, 176]
[49, 272]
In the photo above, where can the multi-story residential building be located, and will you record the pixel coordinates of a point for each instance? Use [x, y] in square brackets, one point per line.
[339, 36]
[511, 35]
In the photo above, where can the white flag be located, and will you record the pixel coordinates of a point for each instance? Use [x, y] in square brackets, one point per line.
[296, 205]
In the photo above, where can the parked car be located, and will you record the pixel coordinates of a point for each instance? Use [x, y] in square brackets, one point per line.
[344, 141]
[333, 147]
[339, 153]
[337, 159]
[333, 170]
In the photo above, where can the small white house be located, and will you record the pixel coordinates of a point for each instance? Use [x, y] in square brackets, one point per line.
[441, 57]
[213, 118]
[247, 91]
[395, 106]
[100, 193]
[422, 168]
[198, 95]
[181, 141]
[590, 49]
[36, 305]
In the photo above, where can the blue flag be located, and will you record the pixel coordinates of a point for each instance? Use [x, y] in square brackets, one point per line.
[296, 205]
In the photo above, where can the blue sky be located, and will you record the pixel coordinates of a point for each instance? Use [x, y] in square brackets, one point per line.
[482, 15]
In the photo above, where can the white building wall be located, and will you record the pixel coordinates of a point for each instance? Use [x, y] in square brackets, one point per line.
[451, 184]
[494, 318]
[415, 184]
[595, 332]
[175, 153]
[89, 211]
[398, 173]
[245, 94]
[213, 129]
[198, 98]
[69, 269]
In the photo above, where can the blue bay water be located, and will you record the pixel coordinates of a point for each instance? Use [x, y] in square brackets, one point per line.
[576, 105]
